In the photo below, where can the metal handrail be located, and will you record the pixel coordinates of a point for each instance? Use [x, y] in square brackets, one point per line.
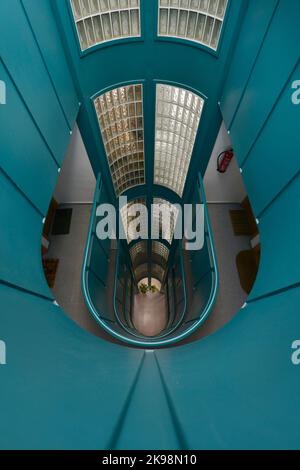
[134, 338]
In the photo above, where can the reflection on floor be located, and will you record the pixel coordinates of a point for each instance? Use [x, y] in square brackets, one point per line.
[69, 250]
[150, 313]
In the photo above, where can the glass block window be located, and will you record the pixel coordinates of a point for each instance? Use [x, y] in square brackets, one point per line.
[121, 121]
[160, 250]
[153, 282]
[200, 21]
[139, 250]
[157, 272]
[99, 21]
[126, 219]
[158, 213]
[178, 113]
[141, 272]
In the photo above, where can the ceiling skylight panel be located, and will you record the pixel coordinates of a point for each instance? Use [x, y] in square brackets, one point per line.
[160, 250]
[99, 21]
[178, 113]
[141, 272]
[164, 217]
[138, 252]
[121, 121]
[126, 218]
[200, 21]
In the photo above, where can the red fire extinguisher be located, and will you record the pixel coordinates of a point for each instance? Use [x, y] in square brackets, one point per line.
[224, 159]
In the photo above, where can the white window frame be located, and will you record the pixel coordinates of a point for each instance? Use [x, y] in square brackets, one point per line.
[97, 17]
[128, 155]
[197, 12]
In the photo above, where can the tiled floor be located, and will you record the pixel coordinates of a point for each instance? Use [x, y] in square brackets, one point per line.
[70, 248]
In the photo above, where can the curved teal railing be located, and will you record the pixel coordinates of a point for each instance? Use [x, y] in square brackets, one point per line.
[103, 307]
[168, 330]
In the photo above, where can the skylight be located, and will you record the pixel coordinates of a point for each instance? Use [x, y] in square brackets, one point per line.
[164, 217]
[200, 21]
[99, 21]
[178, 113]
[157, 271]
[138, 251]
[121, 121]
[161, 250]
[126, 218]
[141, 271]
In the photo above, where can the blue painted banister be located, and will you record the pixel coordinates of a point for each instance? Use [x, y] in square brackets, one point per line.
[109, 309]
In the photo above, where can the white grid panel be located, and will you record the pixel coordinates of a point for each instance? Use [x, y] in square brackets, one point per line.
[178, 113]
[99, 21]
[161, 250]
[141, 272]
[120, 116]
[138, 249]
[195, 20]
[157, 272]
[158, 214]
[126, 219]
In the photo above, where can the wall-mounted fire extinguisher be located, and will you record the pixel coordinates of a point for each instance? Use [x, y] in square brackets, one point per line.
[224, 159]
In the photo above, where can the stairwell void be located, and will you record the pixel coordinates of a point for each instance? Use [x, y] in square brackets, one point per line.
[62, 388]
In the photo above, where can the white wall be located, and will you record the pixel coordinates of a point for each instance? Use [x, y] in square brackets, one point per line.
[223, 187]
[76, 182]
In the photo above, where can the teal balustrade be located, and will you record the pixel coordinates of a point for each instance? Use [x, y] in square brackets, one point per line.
[109, 285]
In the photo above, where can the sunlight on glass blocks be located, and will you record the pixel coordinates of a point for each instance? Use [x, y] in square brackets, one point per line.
[164, 210]
[157, 271]
[200, 21]
[141, 272]
[178, 113]
[126, 219]
[121, 121]
[99, 21]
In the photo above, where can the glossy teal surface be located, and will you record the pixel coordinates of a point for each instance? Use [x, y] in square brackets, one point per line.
[63, 388]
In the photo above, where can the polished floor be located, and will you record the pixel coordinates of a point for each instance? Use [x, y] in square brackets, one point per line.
[150, 313]
[69, 250]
